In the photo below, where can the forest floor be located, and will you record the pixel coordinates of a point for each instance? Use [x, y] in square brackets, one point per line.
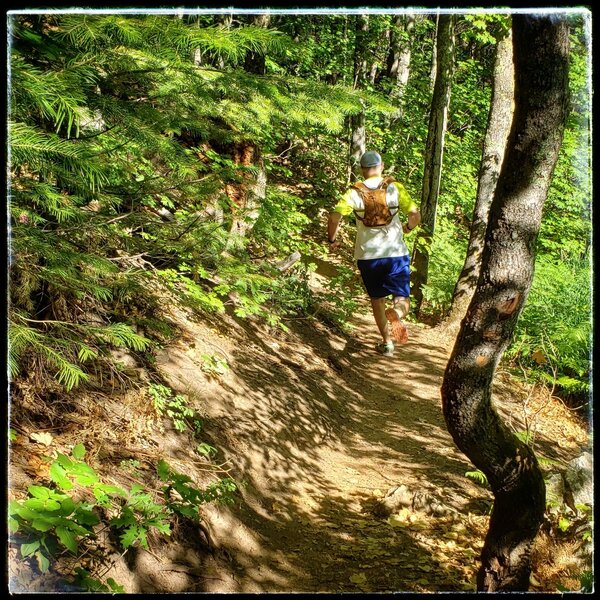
[316, 427]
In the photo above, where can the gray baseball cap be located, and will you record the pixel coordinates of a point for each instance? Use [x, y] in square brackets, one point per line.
[370, 159]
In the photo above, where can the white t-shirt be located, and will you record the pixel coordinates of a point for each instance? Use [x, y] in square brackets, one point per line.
[378, 242]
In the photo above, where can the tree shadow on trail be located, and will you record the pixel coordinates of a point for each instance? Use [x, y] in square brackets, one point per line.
[312, 425]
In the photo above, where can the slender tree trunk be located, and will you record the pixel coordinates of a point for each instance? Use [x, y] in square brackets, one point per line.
[399, 56]
[197, 58]
[498, 128]
[255, 62]
[246, 196]
[433, 155]
[357, 122]
[541, 104]
[433, 71]
[358, 143]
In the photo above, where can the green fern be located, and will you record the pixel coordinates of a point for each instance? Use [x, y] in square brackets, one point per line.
[478, 476]
[22, 338]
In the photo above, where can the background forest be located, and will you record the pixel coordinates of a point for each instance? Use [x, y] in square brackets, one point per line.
[155, 155]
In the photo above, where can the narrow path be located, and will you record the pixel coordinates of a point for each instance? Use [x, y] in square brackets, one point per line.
[317, 427]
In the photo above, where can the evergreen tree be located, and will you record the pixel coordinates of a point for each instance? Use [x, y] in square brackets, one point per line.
[129, 164]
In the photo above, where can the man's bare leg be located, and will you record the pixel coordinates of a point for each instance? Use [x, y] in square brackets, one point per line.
[401, 306]
[395, 315]
[378, 306]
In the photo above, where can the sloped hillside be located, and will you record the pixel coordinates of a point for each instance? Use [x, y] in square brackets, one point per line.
[314, 428]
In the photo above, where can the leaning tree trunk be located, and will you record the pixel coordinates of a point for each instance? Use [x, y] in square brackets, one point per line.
[357, 121]
[498, 128]
[541, 103]
[433, 155]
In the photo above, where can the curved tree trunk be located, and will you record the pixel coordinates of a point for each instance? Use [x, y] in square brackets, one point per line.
[433, 155]
[541, 103]
[498, 128]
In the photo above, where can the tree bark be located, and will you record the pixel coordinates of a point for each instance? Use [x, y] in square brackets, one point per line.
[494, 145]
[541, 106]
[399, 56]
[248, 194]
[433, 155]
[357, 122]
[434, 53]
[255, 62]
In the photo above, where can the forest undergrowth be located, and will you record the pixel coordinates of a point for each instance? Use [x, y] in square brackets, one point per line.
[194, 400]
[159, 463]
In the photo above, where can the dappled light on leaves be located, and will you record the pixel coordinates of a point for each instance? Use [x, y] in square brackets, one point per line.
[196, 405]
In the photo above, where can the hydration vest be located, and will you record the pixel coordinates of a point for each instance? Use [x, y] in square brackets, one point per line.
[377, 212]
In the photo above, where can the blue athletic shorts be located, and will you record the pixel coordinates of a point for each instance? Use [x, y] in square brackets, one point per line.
[385, 276]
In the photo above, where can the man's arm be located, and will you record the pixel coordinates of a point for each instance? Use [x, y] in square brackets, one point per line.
[344, 207]
[333, 224]
[414, 218]
[408, 207]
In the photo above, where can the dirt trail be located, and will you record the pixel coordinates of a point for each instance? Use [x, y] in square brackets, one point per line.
[316, 427]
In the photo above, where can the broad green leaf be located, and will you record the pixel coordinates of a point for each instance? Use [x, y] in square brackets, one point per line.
[58, 475]
[67, 538]
[115, 490]
[78, 451]
[142, 537]
[67, 507]
[80, 468]
[13, 525]
[64, 461]
[103, 499]
[163, 470]
[87, 480]
[188, 511]
[13, 507]
[43, 562]
[42, 505]
[44, 523]
[164, 528]
[131, 534]
[114, 586]
[29, 549]
[38, 491]
[23, 512]
[86, 517]
[76, 528]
